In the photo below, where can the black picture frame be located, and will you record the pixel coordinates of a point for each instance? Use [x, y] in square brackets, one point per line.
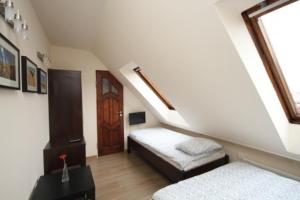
[42, 81]
[29, 69]
[5, 53]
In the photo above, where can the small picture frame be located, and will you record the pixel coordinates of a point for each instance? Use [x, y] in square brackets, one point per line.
[9, 64]
[42, 81]
[29, 75]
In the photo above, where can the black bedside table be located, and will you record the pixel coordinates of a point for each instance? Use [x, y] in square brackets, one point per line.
[80, 186]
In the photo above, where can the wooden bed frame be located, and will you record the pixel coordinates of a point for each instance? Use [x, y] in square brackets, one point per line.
[167, 169]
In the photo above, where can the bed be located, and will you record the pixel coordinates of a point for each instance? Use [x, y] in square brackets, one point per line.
[235, 181]
[157, 147]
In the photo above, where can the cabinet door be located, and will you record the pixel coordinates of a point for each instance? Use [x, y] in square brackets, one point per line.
[75, 156]
[65, 106]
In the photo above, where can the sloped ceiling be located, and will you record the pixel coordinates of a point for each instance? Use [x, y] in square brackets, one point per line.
[71, 23]
[185, 49]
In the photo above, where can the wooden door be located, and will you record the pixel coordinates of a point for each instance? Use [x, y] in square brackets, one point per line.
[109, 114]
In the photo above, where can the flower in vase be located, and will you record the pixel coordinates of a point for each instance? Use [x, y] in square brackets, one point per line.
[63, 157]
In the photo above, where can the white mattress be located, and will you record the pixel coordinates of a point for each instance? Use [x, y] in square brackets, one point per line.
[162, 142]
[235, 181]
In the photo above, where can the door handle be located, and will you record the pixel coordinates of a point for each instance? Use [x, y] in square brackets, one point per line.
[120, 113]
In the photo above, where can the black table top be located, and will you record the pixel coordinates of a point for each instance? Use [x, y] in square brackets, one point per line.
[50, 187]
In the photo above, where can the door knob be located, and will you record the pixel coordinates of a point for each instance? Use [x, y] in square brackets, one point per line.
[120, 113]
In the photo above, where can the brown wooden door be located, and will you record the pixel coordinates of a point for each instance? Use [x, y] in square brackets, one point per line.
[109, 113]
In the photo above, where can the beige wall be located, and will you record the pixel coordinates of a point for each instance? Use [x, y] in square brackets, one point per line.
[281, 165]
[87, 63]
[23, 118]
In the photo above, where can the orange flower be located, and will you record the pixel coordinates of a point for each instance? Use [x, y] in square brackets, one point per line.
[62, 156]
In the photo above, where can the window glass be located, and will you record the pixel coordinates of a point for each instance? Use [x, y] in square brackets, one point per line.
[282, 32]
[114, 90]
[105, 86]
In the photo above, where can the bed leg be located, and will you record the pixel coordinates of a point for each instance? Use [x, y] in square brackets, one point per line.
[226, 159]
[128, 145]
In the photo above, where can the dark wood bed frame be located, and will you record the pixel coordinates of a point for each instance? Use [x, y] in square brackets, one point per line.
[167, 169]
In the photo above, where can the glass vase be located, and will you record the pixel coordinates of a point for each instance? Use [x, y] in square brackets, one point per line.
[65, 173]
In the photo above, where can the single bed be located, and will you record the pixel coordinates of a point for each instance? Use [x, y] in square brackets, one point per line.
[157, 147]
[235, 181]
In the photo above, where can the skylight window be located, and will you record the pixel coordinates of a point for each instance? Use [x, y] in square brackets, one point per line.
[151, 85]
[274, 27]
[140, 84]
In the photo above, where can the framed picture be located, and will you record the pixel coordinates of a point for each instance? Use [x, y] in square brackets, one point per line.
[42, 81]
[9, 64]
[29, 75]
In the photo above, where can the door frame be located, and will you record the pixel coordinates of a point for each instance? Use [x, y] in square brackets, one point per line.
[99, 84]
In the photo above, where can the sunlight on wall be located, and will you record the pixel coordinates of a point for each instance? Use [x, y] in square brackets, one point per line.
[170, 116]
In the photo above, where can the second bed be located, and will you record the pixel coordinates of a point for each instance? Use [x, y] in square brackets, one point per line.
[235, 181]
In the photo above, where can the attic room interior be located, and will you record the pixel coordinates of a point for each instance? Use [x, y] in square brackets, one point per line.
[150, 100]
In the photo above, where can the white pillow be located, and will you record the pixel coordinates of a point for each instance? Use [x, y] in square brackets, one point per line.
[198, 146]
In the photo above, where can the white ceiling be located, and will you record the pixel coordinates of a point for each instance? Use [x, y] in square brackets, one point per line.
[70, 23]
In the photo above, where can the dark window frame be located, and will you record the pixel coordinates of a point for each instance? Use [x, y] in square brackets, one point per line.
[272, 67]
[152, 86]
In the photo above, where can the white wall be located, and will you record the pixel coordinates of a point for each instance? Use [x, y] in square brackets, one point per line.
[230, 11]
[23, 118]
[88, 63]
[281, 165]
[132, 104]
[186, 50]
[139, 86]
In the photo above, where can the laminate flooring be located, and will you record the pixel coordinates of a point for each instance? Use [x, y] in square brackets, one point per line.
[125, 176]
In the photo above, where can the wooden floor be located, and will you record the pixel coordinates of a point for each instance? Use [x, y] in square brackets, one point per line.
[124, 177]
